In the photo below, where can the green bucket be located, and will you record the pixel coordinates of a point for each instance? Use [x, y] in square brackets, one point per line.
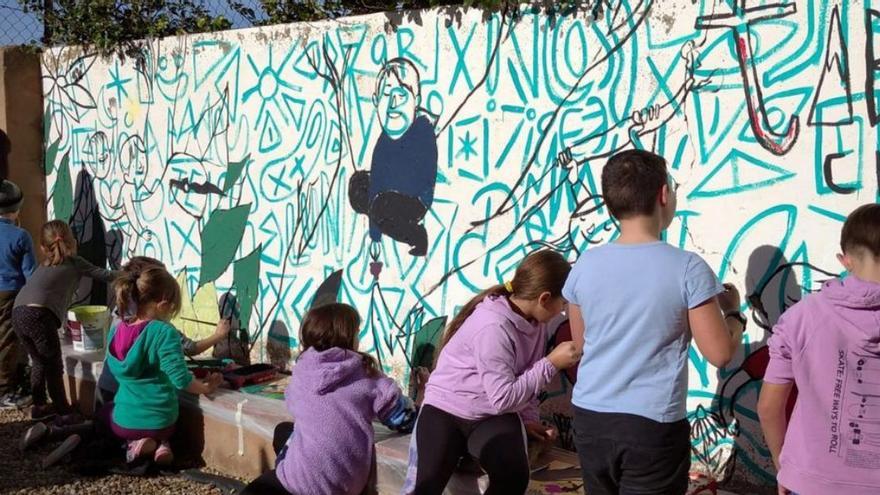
[88, 327]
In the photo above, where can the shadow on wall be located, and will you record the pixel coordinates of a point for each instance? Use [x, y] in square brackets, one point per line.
[278, 345]
[95, 244]
[236, 345]
[771, 288]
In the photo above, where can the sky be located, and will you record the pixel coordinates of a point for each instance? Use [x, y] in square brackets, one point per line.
[18, 28]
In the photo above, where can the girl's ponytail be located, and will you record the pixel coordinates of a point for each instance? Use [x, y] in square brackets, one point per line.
[57, 242]
[465, 312]
[541, 271]
[136, 289]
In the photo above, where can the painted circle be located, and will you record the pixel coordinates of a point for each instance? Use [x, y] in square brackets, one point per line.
[491, 106]
[268, 84]
[531, 114]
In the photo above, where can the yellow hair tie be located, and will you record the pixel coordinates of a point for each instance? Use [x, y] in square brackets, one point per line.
[509, 286]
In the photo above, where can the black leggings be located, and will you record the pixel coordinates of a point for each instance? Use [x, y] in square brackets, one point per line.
[268, 482]
[37, 330]
[498, 443]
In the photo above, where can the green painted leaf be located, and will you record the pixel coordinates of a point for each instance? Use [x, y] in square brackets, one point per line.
[246, 280]
[233, 172]
[62, 194]
[220, 239]
[427, 341]
[51, 155]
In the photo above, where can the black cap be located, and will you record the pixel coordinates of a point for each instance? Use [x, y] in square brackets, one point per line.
[10, 197]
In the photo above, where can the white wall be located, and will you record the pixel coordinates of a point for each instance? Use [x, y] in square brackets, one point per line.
[158, 153]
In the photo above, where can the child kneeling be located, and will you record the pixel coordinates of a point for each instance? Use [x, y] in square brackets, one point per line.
[146, 359]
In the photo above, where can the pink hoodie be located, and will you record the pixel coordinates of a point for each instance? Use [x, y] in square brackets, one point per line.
[829, 345]
[493, 365]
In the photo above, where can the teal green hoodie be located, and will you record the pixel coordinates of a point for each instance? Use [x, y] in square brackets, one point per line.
[149, 377]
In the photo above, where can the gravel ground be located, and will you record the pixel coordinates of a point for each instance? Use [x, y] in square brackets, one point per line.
[21, 473]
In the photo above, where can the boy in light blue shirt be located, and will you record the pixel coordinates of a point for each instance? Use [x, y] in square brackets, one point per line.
[634, 305]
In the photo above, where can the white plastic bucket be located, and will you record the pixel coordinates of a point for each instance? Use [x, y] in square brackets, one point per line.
[88, 327]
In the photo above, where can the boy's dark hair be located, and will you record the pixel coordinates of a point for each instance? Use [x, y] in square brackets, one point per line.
[631, 181]
[861, 231]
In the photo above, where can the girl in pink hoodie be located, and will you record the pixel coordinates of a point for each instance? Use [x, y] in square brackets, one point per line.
[828, 345]
[482, 397]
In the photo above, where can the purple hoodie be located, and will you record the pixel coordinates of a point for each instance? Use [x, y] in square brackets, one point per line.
[493, 365]
[829, 345]
[333, 403]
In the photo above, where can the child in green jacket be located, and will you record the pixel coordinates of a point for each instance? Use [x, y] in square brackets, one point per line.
[146, 358]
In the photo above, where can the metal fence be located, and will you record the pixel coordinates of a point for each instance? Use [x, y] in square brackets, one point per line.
[16, 26]
[20, 28]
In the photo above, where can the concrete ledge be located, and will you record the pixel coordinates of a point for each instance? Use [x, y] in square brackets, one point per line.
[232, 431]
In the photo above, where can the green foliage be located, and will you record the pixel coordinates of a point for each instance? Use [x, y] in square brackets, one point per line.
[118, 26]
[288, 11]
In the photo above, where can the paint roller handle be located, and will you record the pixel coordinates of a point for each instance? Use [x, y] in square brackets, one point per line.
[201, 322]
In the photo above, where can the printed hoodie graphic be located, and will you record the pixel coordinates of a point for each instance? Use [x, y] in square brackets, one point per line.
[829, 344]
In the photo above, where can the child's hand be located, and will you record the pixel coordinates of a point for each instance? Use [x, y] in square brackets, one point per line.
[211, 383]
[565, 355]
[542, 432]
[730, 299]
[214, 380]
[223, 327]
[206, 386]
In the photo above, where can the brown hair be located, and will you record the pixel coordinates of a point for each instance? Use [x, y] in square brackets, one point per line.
[152, 284]
[137, 264]
[335, 325]
[57, 242]
[861, 231]
[541, 271]
[631, 181]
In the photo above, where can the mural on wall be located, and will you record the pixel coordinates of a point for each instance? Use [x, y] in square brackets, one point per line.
[403, 168]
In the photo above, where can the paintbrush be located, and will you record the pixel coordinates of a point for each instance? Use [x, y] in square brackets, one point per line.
[199, 321]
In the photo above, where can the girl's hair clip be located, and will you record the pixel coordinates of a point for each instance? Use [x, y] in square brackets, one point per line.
[508, 286]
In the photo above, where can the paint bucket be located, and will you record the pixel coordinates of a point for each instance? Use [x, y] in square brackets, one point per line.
[88, 327]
